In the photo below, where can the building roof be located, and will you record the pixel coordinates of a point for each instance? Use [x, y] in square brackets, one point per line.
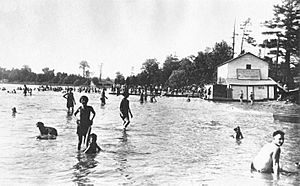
[233, 81]
[248, 53]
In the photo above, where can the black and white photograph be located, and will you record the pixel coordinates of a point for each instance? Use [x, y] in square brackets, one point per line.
[150, 92]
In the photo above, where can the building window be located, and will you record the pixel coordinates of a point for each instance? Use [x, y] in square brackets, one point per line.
[248, 66]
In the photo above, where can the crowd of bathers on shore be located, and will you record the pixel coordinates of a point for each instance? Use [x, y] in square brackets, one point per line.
[266, 161]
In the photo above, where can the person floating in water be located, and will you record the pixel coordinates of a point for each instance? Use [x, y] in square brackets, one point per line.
[238, 133]
[46, 132]
[267, 160]
[92, 146]
[70, 100]
[103, 97]
[125, 110]
[84, 123]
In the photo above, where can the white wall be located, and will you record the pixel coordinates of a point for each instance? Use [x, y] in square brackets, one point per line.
[222, 73]
[241, 63]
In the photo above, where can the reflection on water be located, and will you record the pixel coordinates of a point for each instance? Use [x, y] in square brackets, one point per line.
[84, 167]
[170, 142]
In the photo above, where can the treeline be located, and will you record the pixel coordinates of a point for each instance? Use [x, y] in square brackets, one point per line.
[177, 73]
[25, 75]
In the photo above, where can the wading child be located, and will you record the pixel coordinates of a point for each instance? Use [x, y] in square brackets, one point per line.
[84, 123]
[92, 147]
[241, 96]
[125, 110]
[251, 98]
[70, 100]
[103, 97]
[267, 160]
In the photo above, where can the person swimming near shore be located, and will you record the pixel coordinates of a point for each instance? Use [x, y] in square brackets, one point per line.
[238, 133]
[92, 146]
[14, 110]
[46, 132]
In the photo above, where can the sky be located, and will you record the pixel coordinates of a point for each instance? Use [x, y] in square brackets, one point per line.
[120, 35]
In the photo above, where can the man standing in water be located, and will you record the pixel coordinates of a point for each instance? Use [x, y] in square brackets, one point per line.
[267, 160]
[103, 97]
[70, 100]
[84, 123]
[125, 110]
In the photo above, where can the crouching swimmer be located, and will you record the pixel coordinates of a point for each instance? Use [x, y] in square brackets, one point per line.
[46, 132]
[92, 146]
[267, 160]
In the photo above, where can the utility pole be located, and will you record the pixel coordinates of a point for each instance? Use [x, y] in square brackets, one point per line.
[100, 76]
[233, 39]
[277, 54]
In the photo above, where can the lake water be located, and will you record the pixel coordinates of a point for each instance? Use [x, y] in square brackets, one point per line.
[171, 142]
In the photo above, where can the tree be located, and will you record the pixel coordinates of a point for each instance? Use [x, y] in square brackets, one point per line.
[151, 68]
[95, 80]
[84, 65]
[170, 64]
[246, 34]
[177, 79]
[120, 79]
[285, 27]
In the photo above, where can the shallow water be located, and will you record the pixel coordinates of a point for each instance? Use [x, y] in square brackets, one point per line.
[171, 142]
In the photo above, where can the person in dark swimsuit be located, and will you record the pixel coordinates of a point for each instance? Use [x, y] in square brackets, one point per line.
[84, 123]
[70, 100]
[125, 110]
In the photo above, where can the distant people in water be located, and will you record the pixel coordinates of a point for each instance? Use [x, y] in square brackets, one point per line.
[125, 110]
[92, 147]
[25, 90]
[267, 160]
[152, 98]
[142, 97]
[46, 132]
[14, 110]
[85, 122]
[70, 100]
[238, 133]
[251, 98]
[103, 97]
[241, 96]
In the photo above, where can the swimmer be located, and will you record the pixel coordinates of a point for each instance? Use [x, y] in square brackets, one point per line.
[188, 98]
[46, 132]
[267, 160]
[14, 110]
[92, 146]
[297, 164]
[125, 110]
[238, 132]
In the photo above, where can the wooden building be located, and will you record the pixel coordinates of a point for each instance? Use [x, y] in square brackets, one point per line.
[247, 73]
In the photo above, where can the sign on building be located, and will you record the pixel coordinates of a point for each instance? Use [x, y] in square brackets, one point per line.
[253, 74]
